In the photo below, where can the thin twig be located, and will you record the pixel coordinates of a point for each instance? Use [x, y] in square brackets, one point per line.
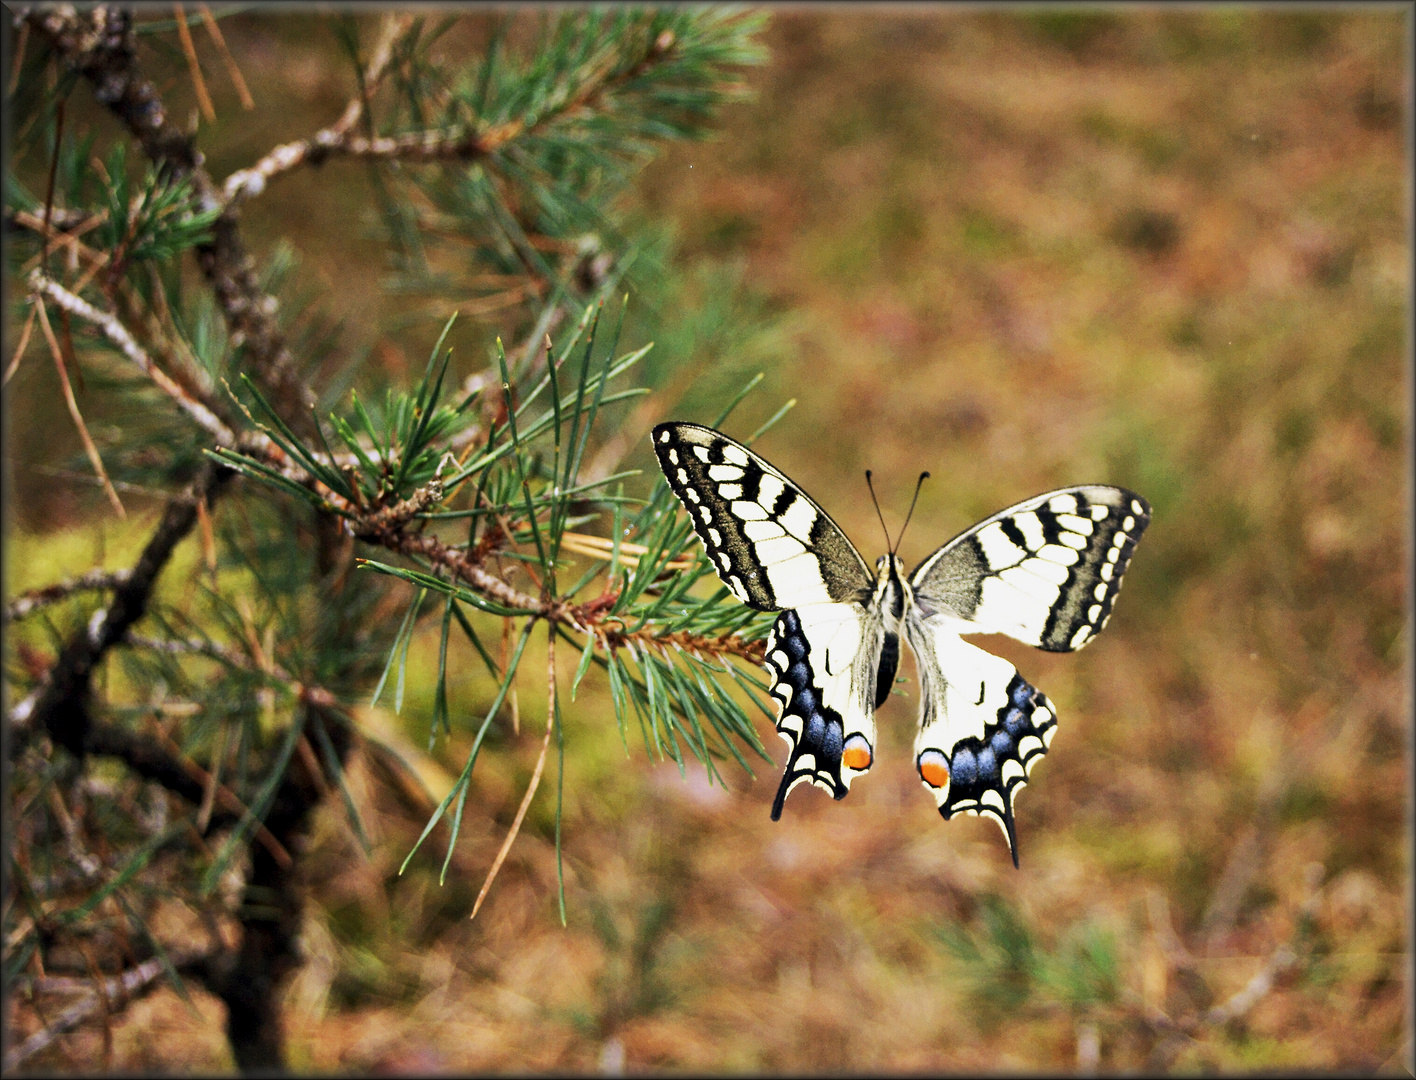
[230, 801]
[20, 348]
[249, 182]
[535, 775]
[442, 144]
[117, 333]
[89, 447]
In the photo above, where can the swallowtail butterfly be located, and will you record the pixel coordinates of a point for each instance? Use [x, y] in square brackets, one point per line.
[1045, 572]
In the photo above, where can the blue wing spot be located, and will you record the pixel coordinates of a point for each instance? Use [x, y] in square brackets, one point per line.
[963, 770]
[987, 765]
[805, 701]
[795, 648]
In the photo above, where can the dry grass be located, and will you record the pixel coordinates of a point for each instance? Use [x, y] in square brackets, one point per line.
[1159, 248]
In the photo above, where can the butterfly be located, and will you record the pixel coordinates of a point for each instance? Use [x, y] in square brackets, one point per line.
[1045, 572]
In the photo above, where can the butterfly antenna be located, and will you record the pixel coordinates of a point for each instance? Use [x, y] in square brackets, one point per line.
[878, 514]
[918, 484]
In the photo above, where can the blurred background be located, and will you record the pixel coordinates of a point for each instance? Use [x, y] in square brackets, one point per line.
[1020, 249]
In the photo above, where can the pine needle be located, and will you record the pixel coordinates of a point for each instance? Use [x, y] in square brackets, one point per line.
[198, 83]
[89, 446]
[247, 102]
[535, 775]
[20, 348]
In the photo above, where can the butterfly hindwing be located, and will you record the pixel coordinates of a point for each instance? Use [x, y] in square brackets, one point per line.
[1045, 572]
[769, 542]
[982, 727]
[818, 662]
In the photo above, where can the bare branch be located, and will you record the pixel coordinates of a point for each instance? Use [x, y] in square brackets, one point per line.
[60, 704]
[202, 412]
[89, 448]
[29, 602]
[98, 44]
[116, 991]
[246, 183]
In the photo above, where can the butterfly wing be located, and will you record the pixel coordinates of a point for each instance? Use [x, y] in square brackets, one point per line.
[778, 551]
[1045, 572]
[982, 726]
[820, 656]
[771, 545]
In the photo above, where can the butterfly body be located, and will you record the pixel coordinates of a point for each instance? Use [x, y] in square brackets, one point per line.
[1045, 572]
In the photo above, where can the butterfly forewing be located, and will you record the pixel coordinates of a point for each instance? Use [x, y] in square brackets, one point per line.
[1045, 572]
[769, 542]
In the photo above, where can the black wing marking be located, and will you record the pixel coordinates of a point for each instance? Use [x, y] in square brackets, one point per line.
[1045, 572]
[769, 542]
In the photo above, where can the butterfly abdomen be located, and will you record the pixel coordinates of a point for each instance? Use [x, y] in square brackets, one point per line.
[889, 664]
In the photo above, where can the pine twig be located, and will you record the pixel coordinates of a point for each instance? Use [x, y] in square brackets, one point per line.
[247, 183]
[98, 44]
[202, 412]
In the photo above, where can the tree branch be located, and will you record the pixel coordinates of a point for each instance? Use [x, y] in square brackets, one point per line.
[60, 706]
[29, 602]
[103, 996]
[97, 43]
[204, 413]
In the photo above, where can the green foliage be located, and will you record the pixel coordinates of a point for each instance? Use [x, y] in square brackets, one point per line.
[155, 224]
[568, 122]
[1007, 969]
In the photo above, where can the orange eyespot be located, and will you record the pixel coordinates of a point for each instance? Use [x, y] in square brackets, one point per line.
[856, 754]
[934, 769]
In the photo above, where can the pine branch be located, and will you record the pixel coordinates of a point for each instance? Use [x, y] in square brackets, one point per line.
[97, 44]
[248, 183]
[60, 704]
[203, 412]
